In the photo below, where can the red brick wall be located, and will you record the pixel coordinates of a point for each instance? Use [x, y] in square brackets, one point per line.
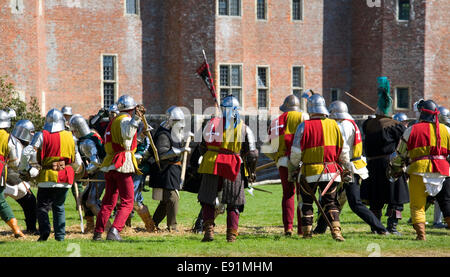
[437, 52]
[278, 43]
[366, 55]
[58, 52]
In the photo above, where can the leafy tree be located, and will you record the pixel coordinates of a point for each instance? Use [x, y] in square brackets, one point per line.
[9, 98]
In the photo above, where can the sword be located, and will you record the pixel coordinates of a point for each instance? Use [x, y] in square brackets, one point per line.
[330, 183]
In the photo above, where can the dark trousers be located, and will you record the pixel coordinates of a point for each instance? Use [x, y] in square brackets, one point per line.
[167, 207]
[52, 199]
[356, 205]
[443, 198]
[28, 204]
[329, 201]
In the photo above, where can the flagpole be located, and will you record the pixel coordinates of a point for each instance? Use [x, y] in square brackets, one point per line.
[215, 102]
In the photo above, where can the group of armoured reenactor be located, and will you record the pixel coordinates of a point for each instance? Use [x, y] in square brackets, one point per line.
[113, 152]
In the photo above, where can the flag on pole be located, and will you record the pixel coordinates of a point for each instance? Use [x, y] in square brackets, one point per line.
[204, 72]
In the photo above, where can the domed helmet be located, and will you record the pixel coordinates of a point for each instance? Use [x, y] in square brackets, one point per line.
[291, 103]
[113, 109]
[428, 109]
[444, 111]
[66, 110]
[400, 117]
[174, 115]
[79, 126]
[126, 103]
[5, 120]
[230, 110]
[316, 104]
[23, 130]
[339, 110]
[54, 121]
[416, 110]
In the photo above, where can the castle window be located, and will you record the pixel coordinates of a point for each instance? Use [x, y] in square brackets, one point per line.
[297, 9]
[335, 94]
[297, 80]
[402, 98]
[262, 83]
[229, 7]
[132, 6]
[404, 7]
[109, 80]
[230, 81]
[261, 9]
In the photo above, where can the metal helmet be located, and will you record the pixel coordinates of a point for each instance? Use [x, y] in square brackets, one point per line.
[230, 102]
[66, 110]
[113, 109]
[400, 117]
[79, 126]
[415, 109]
[444, 111]
[291, 103]
[339, 110]
[5, 120]
[427, 105]
[23, 130]
[316, 104]
[174, 115]
[54, 121]
[126, 103]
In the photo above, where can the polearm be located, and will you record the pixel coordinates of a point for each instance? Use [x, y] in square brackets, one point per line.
[264, 166]
[216, 102]
[152, 143]
[361, 102]
[79, 206]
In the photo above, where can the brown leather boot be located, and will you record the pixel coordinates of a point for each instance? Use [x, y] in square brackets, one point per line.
[16, 229]
[420, 230]
[208, 227]
[307, 231]
[90, 224]
[144, 214]
[231, 235]
[447, 220]
[336, 232]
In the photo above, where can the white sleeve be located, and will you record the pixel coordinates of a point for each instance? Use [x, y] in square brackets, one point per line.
[129, 127]
[296, 151]
[344, 157]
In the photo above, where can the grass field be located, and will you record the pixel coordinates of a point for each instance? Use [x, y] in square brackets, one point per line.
[261, 235]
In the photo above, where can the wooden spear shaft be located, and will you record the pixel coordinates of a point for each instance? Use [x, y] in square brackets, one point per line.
[361, 102]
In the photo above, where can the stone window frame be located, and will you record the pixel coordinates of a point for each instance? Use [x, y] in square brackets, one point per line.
[302, 10]
[266, 11]
[116, 77]
[267, 87]
[397, 11]
[409, 98]
[241, 87]
[17, 6]
[138, 8]
[228, 15]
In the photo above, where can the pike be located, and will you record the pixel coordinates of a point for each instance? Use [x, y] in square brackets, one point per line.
[152, 143]
[77, 198]
[185, 155]
[361, 102]
[264, 166]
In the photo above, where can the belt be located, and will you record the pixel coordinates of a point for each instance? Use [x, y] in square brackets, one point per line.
[356, 159]
[223, 151]
[429, 157]
[378, 157]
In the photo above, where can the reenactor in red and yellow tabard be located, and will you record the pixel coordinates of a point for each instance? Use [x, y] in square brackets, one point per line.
[59, 161]
[425, 148]
[320, 151]
[281, 135]
[227, 164]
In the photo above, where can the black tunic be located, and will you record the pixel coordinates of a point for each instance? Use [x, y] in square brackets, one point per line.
[169, 177]
[381, 137]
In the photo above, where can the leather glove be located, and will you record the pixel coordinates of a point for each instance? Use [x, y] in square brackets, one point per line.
[252, 177]
[346, 176]
[140, 110]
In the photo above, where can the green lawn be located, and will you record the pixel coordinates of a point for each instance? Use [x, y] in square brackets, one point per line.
[261, 235]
